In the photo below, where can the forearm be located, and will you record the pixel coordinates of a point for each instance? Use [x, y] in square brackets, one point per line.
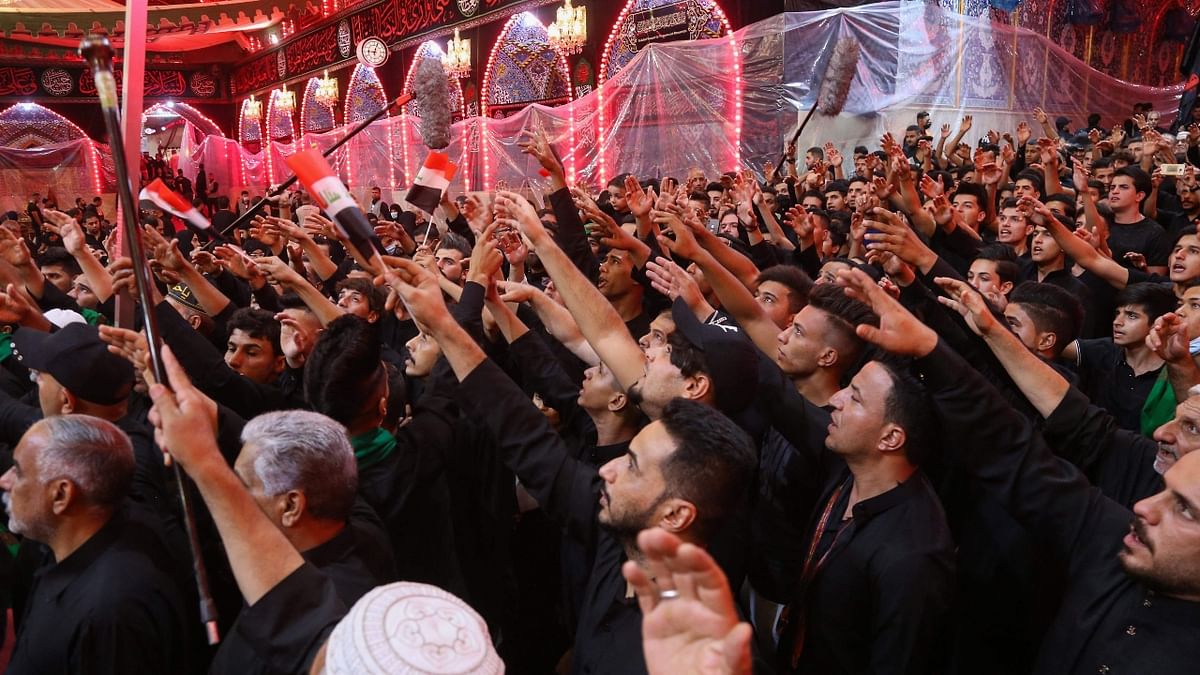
[597, 318]
[1183, 375]
[741, 266]
[97, 277]
[562, 327]
[778, 236]
[321, 263]
[459, 348]
[321, 306]
[1041, 384]
[739, 302]
[510, 326]
[212, 300]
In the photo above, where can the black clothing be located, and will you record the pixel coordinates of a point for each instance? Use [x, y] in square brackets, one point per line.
[206, 366]
[354, 561]
[115, 605]
[880, 600]
[1107, 622]
[609, 637]
[1145, 236]
[1109, 381]
[288, 626]
[1119, 462]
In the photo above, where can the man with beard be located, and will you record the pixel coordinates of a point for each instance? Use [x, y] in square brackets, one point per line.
[687, 472]
[1131, 603]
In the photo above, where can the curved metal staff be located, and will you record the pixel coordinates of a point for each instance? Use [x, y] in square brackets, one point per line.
[98, 54]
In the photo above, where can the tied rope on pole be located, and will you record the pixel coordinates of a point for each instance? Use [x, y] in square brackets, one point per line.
[835, 85]
[98, 53]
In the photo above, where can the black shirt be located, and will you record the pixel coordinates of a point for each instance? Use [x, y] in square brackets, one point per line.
[1145, 236]
[1107, 622]
[1111, 384]
[880, 600]
[114, 605]
[609, 634]
[354, 561]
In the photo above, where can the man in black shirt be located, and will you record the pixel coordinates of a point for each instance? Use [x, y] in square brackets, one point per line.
[1132, 231]
[687, 473]
[110, 601]
[1130, 604]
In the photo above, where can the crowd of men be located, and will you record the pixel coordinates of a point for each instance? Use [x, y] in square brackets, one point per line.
[924, 408]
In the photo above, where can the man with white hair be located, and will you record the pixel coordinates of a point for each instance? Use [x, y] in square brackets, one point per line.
[110, 599]
[294, 619]
[301, 471]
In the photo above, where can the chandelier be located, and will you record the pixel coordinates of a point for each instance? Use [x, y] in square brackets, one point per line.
[327, 91]
[285, 101]
[569, 30]
[458, 56]
[253, 109]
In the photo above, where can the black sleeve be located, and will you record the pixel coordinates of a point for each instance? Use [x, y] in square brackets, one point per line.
[570, 236]
[267, 298]
[52, 298]
[1011, 462]
[764, 255]
[567, 489]
[15, 418]
[1119, 462]
[807, 260]
[543, 373]
[462, 228]
[288, 625]
[1159, 250]
[207, 368]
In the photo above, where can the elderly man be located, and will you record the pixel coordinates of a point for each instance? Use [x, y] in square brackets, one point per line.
[109, 600]
[300, 469]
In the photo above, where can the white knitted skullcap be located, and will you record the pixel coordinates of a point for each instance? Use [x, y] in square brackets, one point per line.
[411, 629]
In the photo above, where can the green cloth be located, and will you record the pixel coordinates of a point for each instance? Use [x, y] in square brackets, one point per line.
[5, 346]
[1159, 407]
[92, 317]
[372, 447]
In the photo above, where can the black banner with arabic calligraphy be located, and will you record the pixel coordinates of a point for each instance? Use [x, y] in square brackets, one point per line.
[56, 82]
[390, 20]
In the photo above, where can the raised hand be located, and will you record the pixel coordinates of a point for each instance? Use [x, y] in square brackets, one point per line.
[894, 236]
[1168, 338]
[697, 631]
[67, 228]
[538, 147]
[419, 290]
[965, 125]
[486, 257]
[899, 331]
[1024, 133]
[945, 131]
[967, 301]
[184, 419]
[640, 202]
[1040, 116]
[684, 243]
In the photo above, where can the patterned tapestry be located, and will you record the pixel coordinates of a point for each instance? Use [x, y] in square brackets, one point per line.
[29, 125]
[1150, 55]
[364, 96]
[642, 22]
[523, 68]
[313, 115]
[249, 130]
[280, 126]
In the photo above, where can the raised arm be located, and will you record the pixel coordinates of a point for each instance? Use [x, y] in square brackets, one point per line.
[597, 319]
[74, 241]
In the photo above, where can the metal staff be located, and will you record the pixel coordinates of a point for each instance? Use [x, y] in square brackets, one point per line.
[98, 54]
[400, 100]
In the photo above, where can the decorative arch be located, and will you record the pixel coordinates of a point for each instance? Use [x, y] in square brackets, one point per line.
[524, 68]
[204, 125]
[250, 132]
[280, 125]
[697, 19]
[674, 19]
[280, 128]
[28, 125]
[365, 97]
[314, 117]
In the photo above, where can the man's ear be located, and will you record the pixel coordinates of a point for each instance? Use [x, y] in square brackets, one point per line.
[68, 403]
[676, 515]
[1046, 341]
[697, 387]
[293, 506]
[1006, 287]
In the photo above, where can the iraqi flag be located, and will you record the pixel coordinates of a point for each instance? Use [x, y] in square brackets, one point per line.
[432, 180]
[174, 203]
[334, 199]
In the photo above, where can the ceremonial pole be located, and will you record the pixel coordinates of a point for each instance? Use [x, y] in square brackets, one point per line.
[98, 54]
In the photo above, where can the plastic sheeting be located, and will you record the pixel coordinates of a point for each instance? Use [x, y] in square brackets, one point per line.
[66, 168]
[676, 105]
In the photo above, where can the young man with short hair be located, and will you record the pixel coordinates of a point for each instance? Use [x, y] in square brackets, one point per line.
[1133, 232]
